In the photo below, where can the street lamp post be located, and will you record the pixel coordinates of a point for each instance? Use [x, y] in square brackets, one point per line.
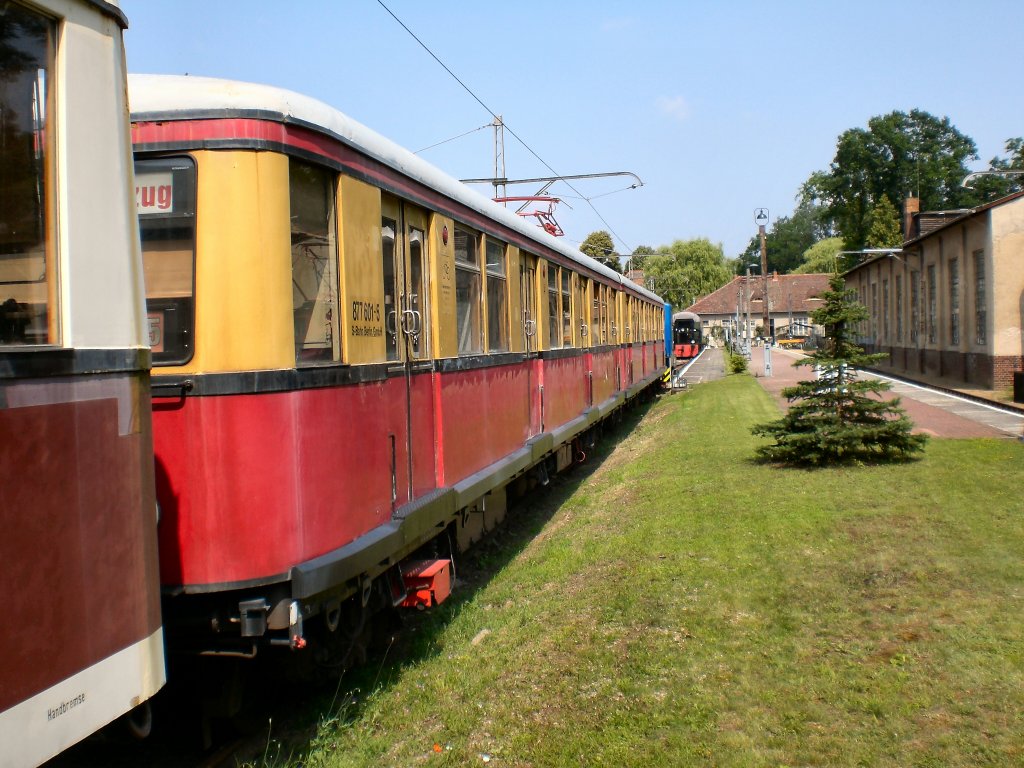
[761, 218]
[747, 331]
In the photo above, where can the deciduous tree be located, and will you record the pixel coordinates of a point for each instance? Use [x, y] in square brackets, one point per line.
[787, 239]
[898, 155]
[686, 270]
[600, 247]
[821, 257]
[984, 189]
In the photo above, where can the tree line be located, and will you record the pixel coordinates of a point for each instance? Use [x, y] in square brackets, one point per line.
[855, 204]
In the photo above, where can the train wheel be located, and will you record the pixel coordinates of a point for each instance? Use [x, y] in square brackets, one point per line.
[139, 721]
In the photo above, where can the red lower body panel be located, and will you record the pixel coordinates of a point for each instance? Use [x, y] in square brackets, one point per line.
[78, 550]
[253, 484]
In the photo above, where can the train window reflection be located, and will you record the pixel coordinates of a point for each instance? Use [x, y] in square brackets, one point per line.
[467, 292]
[417, 299]
[554, 329]
[497, 300]
[566, 309]
[387, 242]
[165, 196]
[28, 286]
[314, 264]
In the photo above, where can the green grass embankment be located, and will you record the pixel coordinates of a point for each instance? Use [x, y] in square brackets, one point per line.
[681, 605]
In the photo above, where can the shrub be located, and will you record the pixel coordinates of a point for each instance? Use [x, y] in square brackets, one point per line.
[737, 363]
[834, 420]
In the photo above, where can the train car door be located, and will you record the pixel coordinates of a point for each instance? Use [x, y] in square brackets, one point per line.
[407, 342]
[528, 302]
[527, 276]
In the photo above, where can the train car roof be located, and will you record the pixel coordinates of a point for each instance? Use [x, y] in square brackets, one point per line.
[686, 316]
[174, 97]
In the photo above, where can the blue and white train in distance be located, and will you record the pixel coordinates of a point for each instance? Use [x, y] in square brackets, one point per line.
[82, 643]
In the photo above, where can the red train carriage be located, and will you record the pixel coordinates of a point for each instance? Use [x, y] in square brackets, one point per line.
[687, 336]
[82, 641]
[353, 359]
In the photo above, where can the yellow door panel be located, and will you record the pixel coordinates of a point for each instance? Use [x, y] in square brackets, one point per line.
[362, 279]
[243, 263]
[442, 300]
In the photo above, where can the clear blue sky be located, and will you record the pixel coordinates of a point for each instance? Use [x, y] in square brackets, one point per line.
[719, 107]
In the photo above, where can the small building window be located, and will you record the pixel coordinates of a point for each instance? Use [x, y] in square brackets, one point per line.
[885, 310]
[899, 307]
[874, 313]
[915, 307]
[980, 314]
[954, 302]
[933, 305]
[467, 292]
[497, 298]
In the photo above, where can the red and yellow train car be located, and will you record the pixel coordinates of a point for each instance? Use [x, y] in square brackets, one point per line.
[353, 357]
[82, 642]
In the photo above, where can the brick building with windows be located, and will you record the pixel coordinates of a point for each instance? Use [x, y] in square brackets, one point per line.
[949, 307]
[791, 300]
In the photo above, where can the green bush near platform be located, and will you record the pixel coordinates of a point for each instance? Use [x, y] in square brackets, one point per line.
[737, 362]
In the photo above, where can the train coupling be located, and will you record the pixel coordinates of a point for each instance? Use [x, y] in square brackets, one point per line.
[256, 617]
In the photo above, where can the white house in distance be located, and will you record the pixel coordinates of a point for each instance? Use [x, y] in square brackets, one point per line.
[791, 299]
[949, 307]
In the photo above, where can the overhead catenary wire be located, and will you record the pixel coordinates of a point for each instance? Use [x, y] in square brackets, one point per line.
[494, 114]
[453, 138]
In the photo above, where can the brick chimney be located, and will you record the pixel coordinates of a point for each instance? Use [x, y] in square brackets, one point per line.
[911, 207]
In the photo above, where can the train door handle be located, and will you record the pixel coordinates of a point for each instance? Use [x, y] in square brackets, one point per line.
[530, 326]
[411, 321]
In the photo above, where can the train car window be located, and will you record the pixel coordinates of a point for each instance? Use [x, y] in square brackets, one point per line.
[566, 309]
[582, 309]
[613, 314]
[314, 264]
[595, 314]
[418, 293]
[165, 196]
[554, 317]
[467, 292]
[604, 314]
[28, 284]
[497, 298]
[387, 242]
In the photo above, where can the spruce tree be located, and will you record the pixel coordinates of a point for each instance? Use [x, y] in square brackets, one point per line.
[838, 418]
